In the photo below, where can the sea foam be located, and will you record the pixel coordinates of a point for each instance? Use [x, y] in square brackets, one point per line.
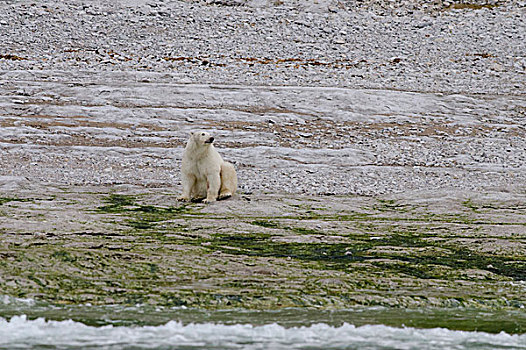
[21, 333]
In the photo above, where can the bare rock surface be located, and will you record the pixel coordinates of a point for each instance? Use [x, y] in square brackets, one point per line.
[117, 245]
[106, 129]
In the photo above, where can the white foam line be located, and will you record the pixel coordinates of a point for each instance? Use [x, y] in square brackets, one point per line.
[19, 332]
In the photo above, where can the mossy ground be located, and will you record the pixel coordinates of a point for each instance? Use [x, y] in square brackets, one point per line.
[92, 246]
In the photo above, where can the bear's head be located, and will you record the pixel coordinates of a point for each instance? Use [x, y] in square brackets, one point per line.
[202, 137]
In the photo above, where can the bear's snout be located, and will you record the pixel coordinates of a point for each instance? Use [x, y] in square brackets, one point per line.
[210, 140]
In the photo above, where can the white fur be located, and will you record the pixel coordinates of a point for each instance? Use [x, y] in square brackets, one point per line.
[204, 174]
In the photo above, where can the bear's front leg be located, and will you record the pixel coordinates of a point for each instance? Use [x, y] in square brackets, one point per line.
[188, 183]
[213, 183]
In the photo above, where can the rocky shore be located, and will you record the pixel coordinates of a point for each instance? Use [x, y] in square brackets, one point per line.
[380, 148]
[438, 46]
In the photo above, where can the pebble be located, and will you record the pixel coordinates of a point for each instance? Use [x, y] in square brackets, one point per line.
[288, 43]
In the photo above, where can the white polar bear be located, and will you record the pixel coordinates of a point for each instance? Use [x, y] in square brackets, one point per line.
[204, 174]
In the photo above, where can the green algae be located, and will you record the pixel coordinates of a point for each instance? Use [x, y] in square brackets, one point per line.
[63, 255]
[481, 207]
[117, 203]
[200, 256]
[265, 223]
[463, 6]
[341, 255]
[260, 245]
[468, 203]
[4, 200]
[141, 217]
[387, 205]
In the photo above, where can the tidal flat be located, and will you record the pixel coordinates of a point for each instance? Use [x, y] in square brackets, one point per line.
[89, 246]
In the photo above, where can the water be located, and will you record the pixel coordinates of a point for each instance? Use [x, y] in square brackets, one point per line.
[26, 324]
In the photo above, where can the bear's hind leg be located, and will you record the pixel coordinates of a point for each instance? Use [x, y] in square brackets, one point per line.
[228, 181]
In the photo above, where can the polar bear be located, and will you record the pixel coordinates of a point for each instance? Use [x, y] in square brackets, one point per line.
[204, 174]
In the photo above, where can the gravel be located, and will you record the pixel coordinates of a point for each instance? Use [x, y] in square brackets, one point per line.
[446, 46]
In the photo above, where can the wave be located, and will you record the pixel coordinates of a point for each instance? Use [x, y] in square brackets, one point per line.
[19, 332]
